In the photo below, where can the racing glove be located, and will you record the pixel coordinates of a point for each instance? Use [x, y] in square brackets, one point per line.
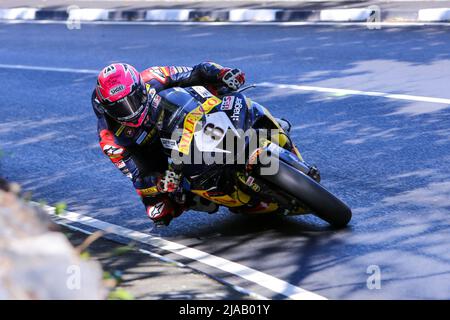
[232, 78]
[169, 182]
[115, 152]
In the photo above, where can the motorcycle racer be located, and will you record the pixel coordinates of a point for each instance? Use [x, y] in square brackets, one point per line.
[121, 101]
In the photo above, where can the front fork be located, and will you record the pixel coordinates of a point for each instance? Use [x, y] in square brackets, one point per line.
[297, 163]
[292, 157]
[257, 160]
[288, 151]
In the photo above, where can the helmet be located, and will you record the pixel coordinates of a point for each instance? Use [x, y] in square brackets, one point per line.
[122, 94]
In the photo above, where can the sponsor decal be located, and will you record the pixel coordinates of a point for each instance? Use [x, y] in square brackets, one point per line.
[220, 199]
[149, 191]
[254, 156]
[129, 132]
[152, 92]
[251, 183]
[156, 100]
[241, 176]
[117, 89]
[159, 122]
[237, 109]
[156, 210]
[120, 164]
[150, 135]
[202, 91]
[190, 122]
[109, 70]
[169, 144]
[120, 130]
[112, 151]
[210, 137]
[215, 193]
[141, 137]
[227, 103]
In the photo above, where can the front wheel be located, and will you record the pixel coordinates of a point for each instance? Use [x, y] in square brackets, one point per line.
[322, 202]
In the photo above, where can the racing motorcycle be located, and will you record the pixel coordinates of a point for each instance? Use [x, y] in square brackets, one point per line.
[230, 151]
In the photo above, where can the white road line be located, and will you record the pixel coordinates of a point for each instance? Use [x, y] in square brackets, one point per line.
[262, 279]
[51, 69]
[263, 84]
[355, 92]
[166, 260]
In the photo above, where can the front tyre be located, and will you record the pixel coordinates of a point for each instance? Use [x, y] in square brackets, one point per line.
[322, 202]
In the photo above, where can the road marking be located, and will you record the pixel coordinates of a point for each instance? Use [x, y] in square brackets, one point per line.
[337, 91]
[165, 260]
[51, 69]
[262, 279]
[354, 92]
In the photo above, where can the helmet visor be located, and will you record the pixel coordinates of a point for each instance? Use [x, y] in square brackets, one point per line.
[129, 107]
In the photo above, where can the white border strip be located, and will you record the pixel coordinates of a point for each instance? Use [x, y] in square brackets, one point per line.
[263, 85]
[372, 25]
[263, 15]
[262, 279]
[235, 15]
[88, 14]
[18, 13]
[167, 14]
[434, 14]
[341, 15]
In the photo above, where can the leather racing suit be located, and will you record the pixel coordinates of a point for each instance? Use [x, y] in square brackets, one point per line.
[137, 152]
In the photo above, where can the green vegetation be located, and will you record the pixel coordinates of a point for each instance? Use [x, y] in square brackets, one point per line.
[60, 208]
[120, 294]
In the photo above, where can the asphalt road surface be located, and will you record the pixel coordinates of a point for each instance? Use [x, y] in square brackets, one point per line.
[388, 158]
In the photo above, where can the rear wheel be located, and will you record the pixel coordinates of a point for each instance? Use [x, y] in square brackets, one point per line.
[322, 202]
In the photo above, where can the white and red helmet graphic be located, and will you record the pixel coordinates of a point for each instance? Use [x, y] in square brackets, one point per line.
[121, 92]
[116, 81]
